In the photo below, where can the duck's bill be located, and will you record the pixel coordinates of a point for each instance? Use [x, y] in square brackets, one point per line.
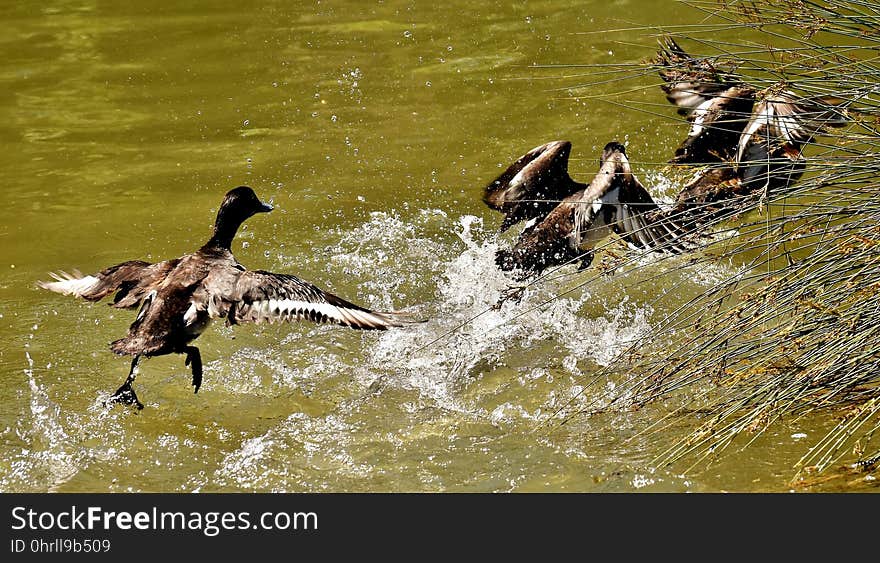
[264, 208]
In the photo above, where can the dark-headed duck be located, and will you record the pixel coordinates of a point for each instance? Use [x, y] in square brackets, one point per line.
[179, 298]
[613, 202]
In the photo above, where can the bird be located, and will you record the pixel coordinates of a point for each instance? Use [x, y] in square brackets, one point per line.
[747, 140]
[180, 297]
[568, 229]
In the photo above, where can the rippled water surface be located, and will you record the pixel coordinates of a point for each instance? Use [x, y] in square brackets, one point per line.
[372, 127]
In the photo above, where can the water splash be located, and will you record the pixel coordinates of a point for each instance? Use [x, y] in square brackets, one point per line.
[469, 332]
[480, 371]
[48, 458]
[286, 456]
[57, 444]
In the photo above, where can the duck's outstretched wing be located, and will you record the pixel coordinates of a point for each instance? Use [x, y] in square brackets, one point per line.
[533, 185]
[639, 222]
[787, 120]
[715, 102]
[714, 193]
[689, 82]
[131, 281]
[258, 296]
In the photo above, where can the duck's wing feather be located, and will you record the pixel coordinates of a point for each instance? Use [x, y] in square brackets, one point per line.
[131, 281]
[716, 126]
[715, 102]
[689, 82]
[786, 119]
[714, 194]
[258, 296]
[533, 185]
[641, 224]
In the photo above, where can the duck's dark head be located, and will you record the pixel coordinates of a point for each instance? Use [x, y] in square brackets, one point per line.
[610, 150]
[242, 201]
[614, 162]
[238, 205]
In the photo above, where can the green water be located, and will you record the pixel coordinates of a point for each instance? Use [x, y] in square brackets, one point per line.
[372, 127]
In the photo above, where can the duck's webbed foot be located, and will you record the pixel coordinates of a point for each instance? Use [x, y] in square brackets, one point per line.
[195, 358]
[125, 394]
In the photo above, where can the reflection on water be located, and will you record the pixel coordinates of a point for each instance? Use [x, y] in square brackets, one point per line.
[373, 129]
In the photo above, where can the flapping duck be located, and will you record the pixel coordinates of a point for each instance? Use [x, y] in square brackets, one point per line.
[179, 298]
[568, 227]
[749, 139]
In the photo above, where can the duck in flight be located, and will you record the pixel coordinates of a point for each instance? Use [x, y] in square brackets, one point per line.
[749, 140]
[568, 218]
[179, 298]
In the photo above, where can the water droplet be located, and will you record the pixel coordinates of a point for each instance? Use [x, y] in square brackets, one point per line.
[428, 83]
[333, 118]
[246, 123]
[408, 34]
[449, 47]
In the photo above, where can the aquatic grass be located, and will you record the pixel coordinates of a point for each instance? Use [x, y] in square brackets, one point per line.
[795, 331]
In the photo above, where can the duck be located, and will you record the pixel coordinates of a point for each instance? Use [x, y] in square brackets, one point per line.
[748, 141]
[559, 231]
[179, 298]
[744, 142]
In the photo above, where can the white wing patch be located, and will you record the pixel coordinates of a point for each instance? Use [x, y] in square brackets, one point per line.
[517, 180]
[273, 310]
[191, 314]
[762, 117]
[70, 284]
[699, 117]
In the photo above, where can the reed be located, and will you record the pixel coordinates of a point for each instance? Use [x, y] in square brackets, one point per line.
[796, 330]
